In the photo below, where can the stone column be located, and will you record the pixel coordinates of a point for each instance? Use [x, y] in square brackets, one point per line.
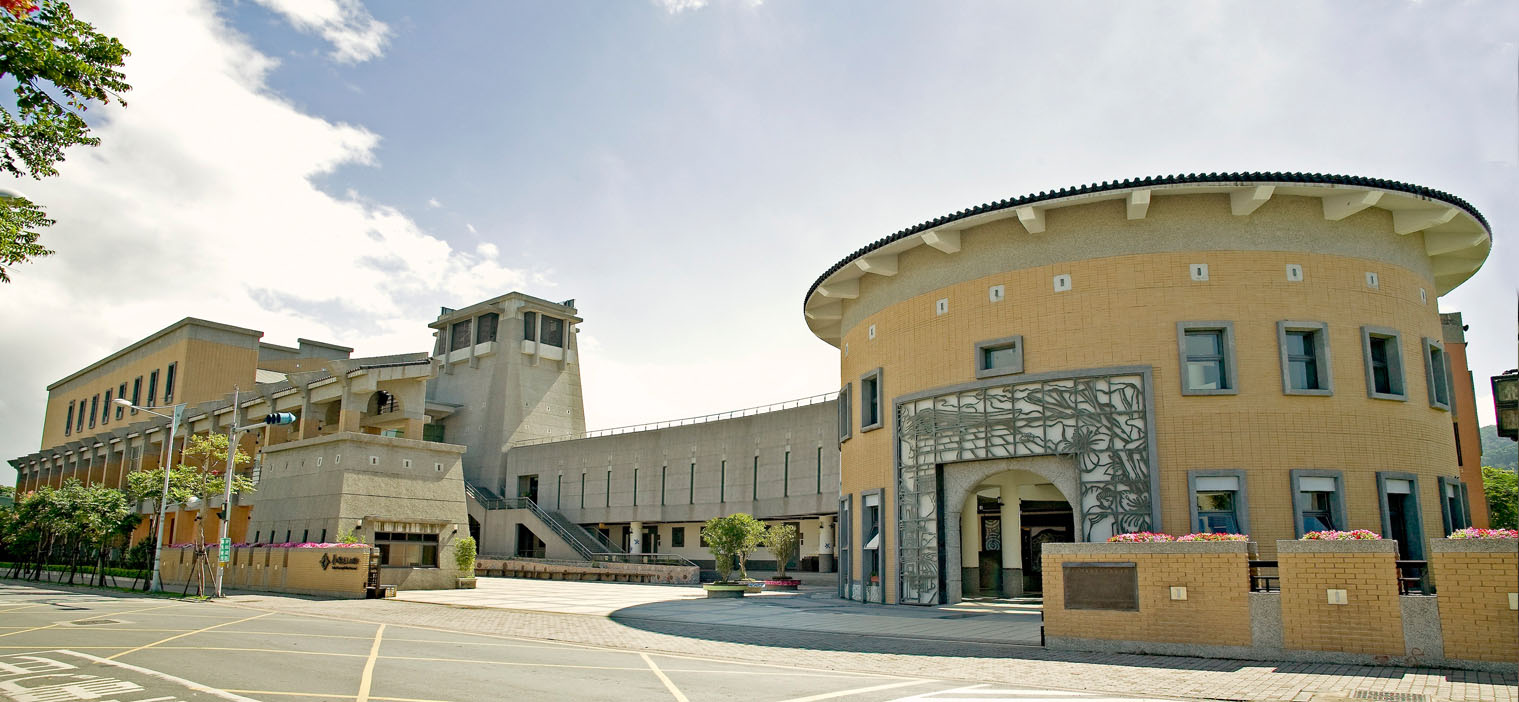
[825, 544]
[970, 548]
[1012, 544]
[635, 537]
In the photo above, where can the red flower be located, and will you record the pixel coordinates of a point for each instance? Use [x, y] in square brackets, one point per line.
[19, 8]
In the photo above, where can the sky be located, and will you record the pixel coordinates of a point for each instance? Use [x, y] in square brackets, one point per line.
[684, 169]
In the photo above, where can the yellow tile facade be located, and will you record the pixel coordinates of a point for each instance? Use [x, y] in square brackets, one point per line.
[1476, 615]
[1216, 611]
[1371, 620]
[1123, 310]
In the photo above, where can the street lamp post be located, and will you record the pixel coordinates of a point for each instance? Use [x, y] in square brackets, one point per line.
[163, 497]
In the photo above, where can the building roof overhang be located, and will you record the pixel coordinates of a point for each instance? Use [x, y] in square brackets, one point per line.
[1456, 236]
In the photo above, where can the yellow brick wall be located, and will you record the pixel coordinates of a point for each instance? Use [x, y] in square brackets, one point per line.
[1372, 620]
[1216, 611]
[1123, 310]
[1475, 618]
[293, 570]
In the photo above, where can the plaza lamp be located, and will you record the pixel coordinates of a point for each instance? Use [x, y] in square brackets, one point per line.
[163, 498]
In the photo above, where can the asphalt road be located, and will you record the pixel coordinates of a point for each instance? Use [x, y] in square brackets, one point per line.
[60, 646]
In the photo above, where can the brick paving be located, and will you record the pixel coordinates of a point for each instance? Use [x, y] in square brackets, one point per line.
[1158, 676]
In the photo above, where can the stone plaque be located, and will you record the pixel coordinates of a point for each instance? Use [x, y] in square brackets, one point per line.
[1112, 586]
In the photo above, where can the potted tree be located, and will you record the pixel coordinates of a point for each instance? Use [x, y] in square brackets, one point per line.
[781, 540]
[464, 557]
[731, 539]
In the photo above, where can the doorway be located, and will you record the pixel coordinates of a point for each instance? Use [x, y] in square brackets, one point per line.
[1042, 522]
[527, 486]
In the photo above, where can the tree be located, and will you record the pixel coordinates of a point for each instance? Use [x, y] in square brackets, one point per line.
[1502, 488]
[464, 555]
[60, 65]
[781, 540]
[731, 539]
[206, 481]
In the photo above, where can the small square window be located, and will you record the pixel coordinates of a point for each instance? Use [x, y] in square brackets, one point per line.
[1373, 280]
[999, 357]
[1319, 499]
[871, 414]
[1294, 273]
[1382, 354]
[1199, 271]
[995, 293]
[1062, 282]
[1304, 350]
[942, 306]
[870, 332]
[1437, 374]
[1218, 502]
[1206, 354]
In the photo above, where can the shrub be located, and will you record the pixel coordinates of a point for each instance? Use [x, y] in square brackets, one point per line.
[1476, 533]
[464, 554]
[731, 539]
[1214, 537]
[1333, 535]
[1140, 537]
[782, 540]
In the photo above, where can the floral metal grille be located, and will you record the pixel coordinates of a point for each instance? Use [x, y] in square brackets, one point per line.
[1099, 420]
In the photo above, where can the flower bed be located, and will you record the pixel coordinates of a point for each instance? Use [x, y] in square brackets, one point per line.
[1140, 537]
[1214, 537]
[1476, 533]
[1335, 535]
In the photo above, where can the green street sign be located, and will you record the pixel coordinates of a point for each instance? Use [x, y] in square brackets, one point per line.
[226, 550]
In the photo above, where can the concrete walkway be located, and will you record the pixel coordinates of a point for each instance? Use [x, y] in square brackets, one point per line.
[812, 608]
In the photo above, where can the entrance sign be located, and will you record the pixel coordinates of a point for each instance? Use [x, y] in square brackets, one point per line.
[225, 551]
[1112, 586]
[1103, 419]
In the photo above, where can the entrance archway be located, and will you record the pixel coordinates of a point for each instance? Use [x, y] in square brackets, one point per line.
[980, 496]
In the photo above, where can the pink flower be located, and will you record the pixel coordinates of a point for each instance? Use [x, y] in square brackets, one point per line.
[1214, 537]
[1334, 535]
[1477, 533]
[1140, 537]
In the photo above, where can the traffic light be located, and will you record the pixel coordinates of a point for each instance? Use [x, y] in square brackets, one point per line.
[221, 514]
[279, 418]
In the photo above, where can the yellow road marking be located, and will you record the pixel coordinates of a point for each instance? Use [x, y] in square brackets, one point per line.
[328, 696]
[188, 633]
[512, 663]
[49, 626]
[857, 691]
[374, 653]
[260, 650]
[669, 684]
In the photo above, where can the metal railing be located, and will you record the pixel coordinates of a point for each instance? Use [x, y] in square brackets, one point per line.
[1264, 583]
[590, 544]
[715, 417]
[1413, 577]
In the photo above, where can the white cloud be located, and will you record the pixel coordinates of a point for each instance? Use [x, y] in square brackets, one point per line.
[356, 36]
[433, 202]
[471, 228]
[200, 202]
[678, 6]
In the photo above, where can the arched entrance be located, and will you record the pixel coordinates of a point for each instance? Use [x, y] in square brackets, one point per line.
[998, 514]
[1098, 422]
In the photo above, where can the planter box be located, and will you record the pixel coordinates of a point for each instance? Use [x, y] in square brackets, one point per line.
[783, 584]
[1337, 546]
[466, 583]
[725, 590]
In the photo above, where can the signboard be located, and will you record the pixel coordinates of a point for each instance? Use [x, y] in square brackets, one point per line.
[1506, 404]
[1101, 586]
[225, 555]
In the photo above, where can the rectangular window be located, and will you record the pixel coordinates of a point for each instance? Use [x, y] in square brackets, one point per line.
[553, 331]
[1454, 511]
[677, 537]
[1437, 374]
[1304, 350]
[169, 384]
[1401, 521]
[663, 470]
[1320, 500]
[1218, 502]
[691, 487]
[846, 546]
[870, 401]
[871, 546]
[846, 415]
[1381, 352]
[403, 550]
[820, 470]
[94, 408]
[79, 423]
[999, 357]
[786, 475]
[68, 422]
[609, 489]
[582, 490]
[121, 394]
[459, 336]
[635, 487]
[754, 481]
[485, 327]
[105, 411]
[530, 326]
[152, 386]
[136, 393]
[1206, 351]
[722, 481]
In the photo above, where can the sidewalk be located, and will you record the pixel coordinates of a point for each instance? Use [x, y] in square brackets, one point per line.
[749, 630]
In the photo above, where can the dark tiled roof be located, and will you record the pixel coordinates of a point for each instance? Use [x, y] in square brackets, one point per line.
[1105, 186]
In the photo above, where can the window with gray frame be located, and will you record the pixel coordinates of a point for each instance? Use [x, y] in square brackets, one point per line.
[870, 401]
[872, 545]
[1454, 511]
[677, 537]
[1437, 374]
[459, 336]
[1398, 495]
[136, 393]
[999, 357]
[1305, 358]
[105, 410]
[846, 415]
[1206, 351]
[1319, 498]
[1382, 353]
[553, 331]
[94, 408]
[121, 393]
[68, 422]
[530, 326]
[845, 544]
[169, 383]
[485, 327]
[1218, 501]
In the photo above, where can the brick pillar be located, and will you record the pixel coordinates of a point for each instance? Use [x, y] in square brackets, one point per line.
[1478, 597]
[1370, 621]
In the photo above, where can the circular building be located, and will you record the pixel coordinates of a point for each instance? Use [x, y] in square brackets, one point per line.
[1247, 352]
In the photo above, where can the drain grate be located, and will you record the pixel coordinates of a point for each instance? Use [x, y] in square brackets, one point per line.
[1380, 696]
[98, 622]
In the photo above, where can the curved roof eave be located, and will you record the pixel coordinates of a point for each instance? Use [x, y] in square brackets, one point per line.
[1462, 259]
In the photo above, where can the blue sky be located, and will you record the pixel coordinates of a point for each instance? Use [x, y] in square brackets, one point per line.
[337, 170]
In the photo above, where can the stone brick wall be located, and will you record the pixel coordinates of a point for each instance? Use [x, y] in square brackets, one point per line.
[1216, 611]
[1477, 580]
[1370, 621]
[296, 571]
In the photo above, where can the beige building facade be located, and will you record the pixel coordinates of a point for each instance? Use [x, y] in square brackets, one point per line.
[1255, 353]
